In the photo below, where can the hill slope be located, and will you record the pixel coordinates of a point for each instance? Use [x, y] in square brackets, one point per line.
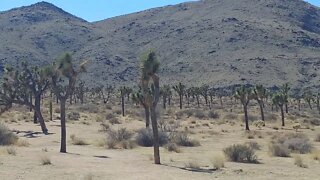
[220, 42]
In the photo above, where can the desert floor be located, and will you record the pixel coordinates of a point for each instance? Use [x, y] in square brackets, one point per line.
[94, 161]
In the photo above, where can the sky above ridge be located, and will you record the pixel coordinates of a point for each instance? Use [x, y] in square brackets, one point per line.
[95, 10]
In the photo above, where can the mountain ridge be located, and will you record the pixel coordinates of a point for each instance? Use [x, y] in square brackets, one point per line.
[218, 42]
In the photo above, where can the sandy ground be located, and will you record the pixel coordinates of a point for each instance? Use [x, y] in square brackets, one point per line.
[96, 162]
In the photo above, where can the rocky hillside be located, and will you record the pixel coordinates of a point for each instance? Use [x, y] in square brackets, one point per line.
[220, 42]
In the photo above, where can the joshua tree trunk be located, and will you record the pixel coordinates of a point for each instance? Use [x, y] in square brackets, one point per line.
[63, 147]
[286, 108]
[155, 136]
[245, 109]
[147, 114]
[122, 105]
[181, 96]
[41, 121]
[198, 101]
[282, 115]
[221, 103]
[164, 99]
[261, 110]
[299, 105]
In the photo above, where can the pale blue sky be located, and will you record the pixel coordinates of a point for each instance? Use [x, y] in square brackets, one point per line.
[95, 10]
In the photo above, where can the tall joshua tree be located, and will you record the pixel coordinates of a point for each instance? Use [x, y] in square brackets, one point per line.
[285, 92]
[63, 78]
[180, 89]
[244, 94]
[204, 91]
[151, 91]
[280, 100]
[260, 93]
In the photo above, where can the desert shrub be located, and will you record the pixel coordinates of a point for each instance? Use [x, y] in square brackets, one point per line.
[270, 117]
[183, 139]
[298, 161]
[297, 143]
[145, 138]
[231, 116]
[315, 122]
[45, 160]
[259, 124]
[199, 114]
[251, 117]
[73, 116]
[57, 110]
[317, 139]
[240, 153]
[213, 115]
[105, 126]
[11, 150]
[218, 161]
[77, 141]
[188, 112]
[253, 145]
[6, 136]
[117, 111]
[120, 138]
[279, 150]
[172, 147]
[91, 108]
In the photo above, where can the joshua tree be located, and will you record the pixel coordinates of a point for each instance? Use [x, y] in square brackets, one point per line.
[63, 78]
[317, 101]
[80, 91]
[139, 98]
[124, 91]
[165, 92]
[204, 91]
[280, 100]
[244, 94]
[151, 94]
[308, 97]
[180, 89]
[19, 86]
[260, 93]
[285, 90]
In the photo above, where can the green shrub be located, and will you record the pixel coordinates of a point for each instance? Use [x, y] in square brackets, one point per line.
[240, 153]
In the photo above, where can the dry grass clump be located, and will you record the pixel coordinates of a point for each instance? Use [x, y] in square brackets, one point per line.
[45, 160]
[119, 139]
[22, 143]
[77, 141]
[298, 161]
[317, 139]
[11, 150]
[240, 153]
[173, 147]
[316, 155]
[194, 165]
[218, 161]
[145, 138]
[6, 136]
[90, 108]
[278, 150]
